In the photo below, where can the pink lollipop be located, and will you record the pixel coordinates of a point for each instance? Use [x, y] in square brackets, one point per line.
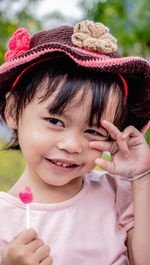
[26, 197]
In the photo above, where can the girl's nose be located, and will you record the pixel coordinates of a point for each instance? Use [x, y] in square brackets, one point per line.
[71, 144]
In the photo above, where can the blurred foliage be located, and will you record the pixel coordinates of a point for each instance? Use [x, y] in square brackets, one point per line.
[23, 16]
[11, 166]
[128, 20]
[147, 136]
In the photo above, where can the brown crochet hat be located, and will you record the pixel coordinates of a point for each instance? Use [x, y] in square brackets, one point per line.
[89, 45]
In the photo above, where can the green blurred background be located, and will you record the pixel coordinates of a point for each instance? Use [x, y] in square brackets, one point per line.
[129, 22]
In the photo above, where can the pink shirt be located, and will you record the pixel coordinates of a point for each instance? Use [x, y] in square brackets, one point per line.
[89, 229]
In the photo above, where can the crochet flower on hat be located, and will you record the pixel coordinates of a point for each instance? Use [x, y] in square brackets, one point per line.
[94, 36]
[18, 43]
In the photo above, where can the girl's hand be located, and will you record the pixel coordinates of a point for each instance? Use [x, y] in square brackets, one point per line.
[129, 151]
[26, 249]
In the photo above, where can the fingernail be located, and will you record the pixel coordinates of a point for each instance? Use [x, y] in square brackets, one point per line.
[126, 155]
[96, 161]
[124, 135]
[91, 144]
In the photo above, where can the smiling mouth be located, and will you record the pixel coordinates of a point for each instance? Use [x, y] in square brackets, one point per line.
[62, 164]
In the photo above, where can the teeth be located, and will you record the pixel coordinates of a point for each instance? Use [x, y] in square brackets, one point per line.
[62, 164]
[59, 163]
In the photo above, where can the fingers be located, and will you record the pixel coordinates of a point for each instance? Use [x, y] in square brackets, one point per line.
[111, 128]
[35, 244]
[119, 143]
[133, 137]
[105, 165]
[27, 236]
[117, 136]
[47, 261]
[102, 146]
[42, 253]
[130, 131]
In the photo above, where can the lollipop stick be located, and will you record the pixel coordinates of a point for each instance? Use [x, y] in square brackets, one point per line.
[28, 215]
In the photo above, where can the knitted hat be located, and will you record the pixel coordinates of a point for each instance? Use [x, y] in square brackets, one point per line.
[89, 45]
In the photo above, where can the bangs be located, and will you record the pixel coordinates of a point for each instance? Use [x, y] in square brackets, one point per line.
[67, 92]
[67, 82]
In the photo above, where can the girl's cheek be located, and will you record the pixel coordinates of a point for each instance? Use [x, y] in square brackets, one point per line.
[93, 153]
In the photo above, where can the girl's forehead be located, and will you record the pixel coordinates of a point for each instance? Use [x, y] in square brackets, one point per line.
[45, 85]
[81, 101]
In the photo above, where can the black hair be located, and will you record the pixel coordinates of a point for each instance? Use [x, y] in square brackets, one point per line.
[71, 77]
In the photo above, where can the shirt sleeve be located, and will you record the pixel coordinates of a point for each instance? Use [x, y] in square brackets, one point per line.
[124, 204]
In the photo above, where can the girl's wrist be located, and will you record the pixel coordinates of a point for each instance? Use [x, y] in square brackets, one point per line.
[141, 188]
[141, 184]
[140, 176]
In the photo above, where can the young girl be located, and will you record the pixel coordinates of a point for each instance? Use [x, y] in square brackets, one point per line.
[68, 96]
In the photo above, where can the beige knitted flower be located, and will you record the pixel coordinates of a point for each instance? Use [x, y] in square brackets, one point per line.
[94, 36]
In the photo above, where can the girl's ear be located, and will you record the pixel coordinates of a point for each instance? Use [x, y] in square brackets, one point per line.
[10, 111]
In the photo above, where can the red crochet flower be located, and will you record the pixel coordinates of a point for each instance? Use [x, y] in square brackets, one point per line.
[18, 43]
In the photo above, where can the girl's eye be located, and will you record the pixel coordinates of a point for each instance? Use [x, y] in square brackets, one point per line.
[55, 122]
[93, 132]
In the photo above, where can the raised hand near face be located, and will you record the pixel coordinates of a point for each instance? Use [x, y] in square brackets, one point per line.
[130, 154]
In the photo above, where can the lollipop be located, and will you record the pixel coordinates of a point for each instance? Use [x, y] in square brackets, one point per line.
[26, 197]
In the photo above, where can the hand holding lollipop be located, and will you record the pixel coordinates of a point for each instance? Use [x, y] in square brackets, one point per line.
[26, 197]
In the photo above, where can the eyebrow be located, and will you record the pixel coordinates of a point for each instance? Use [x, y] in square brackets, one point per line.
[62, 114]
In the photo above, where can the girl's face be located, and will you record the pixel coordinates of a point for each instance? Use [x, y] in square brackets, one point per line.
[56, 147]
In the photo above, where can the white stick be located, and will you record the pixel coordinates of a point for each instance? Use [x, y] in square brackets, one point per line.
[28, 215]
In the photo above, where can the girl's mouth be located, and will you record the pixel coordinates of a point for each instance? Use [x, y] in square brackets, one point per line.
[58, 163]
[61, 166]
